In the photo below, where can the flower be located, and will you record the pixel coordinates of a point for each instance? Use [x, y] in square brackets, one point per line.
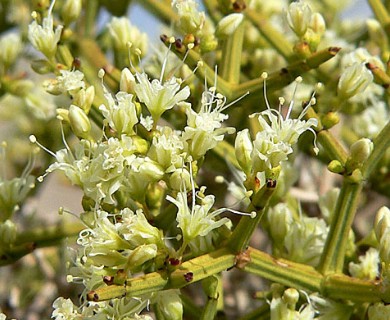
[204, 128]
[191, 20]
[298, 17]
[157, 96]
[197, 221]
[274, 140]
[120, 113]
[71, 81]
[43, 38]
[367, 268]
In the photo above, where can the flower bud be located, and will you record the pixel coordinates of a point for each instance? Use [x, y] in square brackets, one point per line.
[367, 268]
[140, 255]
[280, 218]
[335, 166]
[11, 46]
[379, 311]
[141, 145]
[43, 38]
[7, 232]
[229, 24]
[359, 152]
[41, 66]
[71, 11]
[376, 32]
[329, 120]
[317, 23]
[169, 304]
[63, 114]
[354, 80]
[84, 98]
[127, 81]
[382, 222]
[79, 122]
[291, 297]
[180, 179]
[298, 17]
[243, 148]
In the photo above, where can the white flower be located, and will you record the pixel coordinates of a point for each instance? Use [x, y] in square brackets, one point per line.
[197, 221]
[191, 20]
[64, 309]
[228, 24]
[43, 38]
[167, 149]
[368, 266]
[120, 112]
[71, 81]
[305, 240]
[276, 136]
[123, 34]
[11, 46]
[159, 97]
[354, 80]
[298, 17]
[204, 128]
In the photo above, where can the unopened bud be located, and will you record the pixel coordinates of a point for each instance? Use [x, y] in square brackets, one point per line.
[382, 223]
[141, 145]
[127, 81]
[359, 152]
[84, 98]
[41, 66]
[317, 23]
[329, 120]
[335, 166]
[7, 232]
[180, 179]
[71, 11]
[140, 255]
[376, 32]
[170, 305]
[63, 114]
[298, 17]
[291, 297]
[229, 24]
[354, 80]
[79, 122]
[11, 46]
[243, 148]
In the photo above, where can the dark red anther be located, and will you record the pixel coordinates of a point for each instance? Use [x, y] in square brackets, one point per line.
[271, 183]
[108, 280]
[164, 38]
[174, 261]
[188, 277]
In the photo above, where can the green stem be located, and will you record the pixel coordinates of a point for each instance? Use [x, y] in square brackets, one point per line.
[282, 271]
[188, 272]
[213, 289]
[191, 310]
[91, 12]
[332, 259]
[381, 144]
[382, 14]
[242, 234]
[280, 79]
[276, 39]
[28, 241]
[332, 146]
[231, 56]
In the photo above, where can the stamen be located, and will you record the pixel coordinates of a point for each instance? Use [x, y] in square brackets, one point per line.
[235, 101]
[264, 75]
[51, 7]
[171, 41]
[219, 179]
[33, 139]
